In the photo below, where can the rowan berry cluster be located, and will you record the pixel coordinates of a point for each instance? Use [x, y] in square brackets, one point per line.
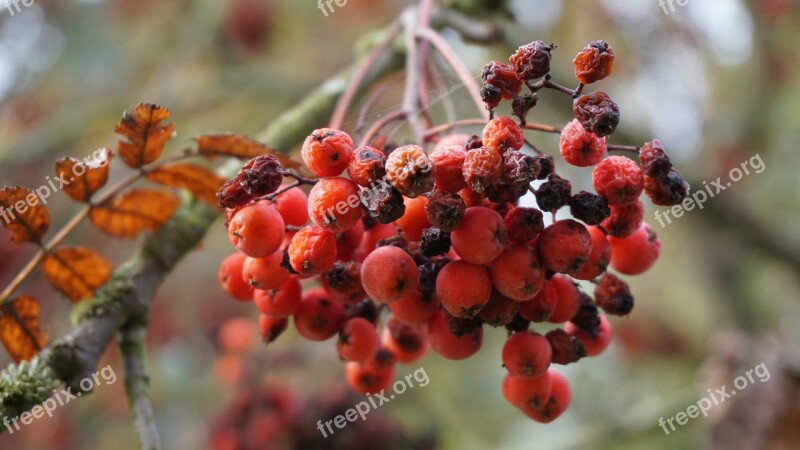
[441, 241]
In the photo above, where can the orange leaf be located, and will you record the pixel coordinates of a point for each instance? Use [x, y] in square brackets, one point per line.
[20, 331]
[144, 133]
[76, 271]
[84, 177]
[200, 181]
[131, 213]
[23, 214]
[238, 146]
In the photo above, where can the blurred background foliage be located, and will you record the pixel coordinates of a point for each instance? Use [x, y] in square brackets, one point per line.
[718, 82]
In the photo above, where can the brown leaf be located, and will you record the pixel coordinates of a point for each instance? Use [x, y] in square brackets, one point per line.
[145, 135]
[200, 181]
[20, 331]
[84, 177]
[76, 271]
[238, 146]
[129, 214]
[22, 213]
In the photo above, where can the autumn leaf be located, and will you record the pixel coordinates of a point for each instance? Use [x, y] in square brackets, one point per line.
[145, 134]
[20, 330]
[84, 177]
[200, 181]
[238, 146]
[76, 271]
[129, 214]
[23, 214]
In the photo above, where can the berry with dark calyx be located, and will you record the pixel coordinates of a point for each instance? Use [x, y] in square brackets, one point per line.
[580, 147]
[347, 242]
[445, 210]
[594, 344]
[327, 152]
[372, 376]
[482, 167]
[343, 282]
[434, 242]
[523, 224]
[500, 310]
[318, 317]
[491, 95]
[624, 220]
[554, 193]
[367, 166]
[279, 303]
[565, 246]
[366, 309]
[502, 133]
[388, 273]
[654, 159]
[383, 203]
[541, 307]
[454, 344]
[257, 230]
[589, 208]
[358, 340]
[428, 273]
[587, 318]
[312, 251]
[618, 179]
[460, 326]
[556, 404]
[481, 236]
[333, 204]
[410, 171]
[449, 162]
[463, 288]
[503, 77]
[613, 295]
[526, 355]
[636, 253]
[416, 308]
[231, 278]
[293, 206]
[271, 327]
[519, 169]
[473, 142]
[527, 392]
[265, 273]
[599, 257]
[518, 273]
[521, 105]
[667, 191]
[597, 113]
[568, 299]
[545, 164]
[594, 62]
[566, 349]
[408, 343]
[532, 61]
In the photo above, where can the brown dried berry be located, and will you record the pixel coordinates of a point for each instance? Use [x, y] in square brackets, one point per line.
[491, 95]
[445, 210]
[503, 77]
[428, 273]
[545, 164]
[532, 61]
[410, 171]
[519, 169]
[566, 349]
[667, 191]
[587, 317]
[482, 167]
[473, 142]
[367, 166]
[434, 242]
[554, 193]
[523, 104]
[366, 309]
[232, 195]
[502, 193]
[460, 326]
[654, 159]
[383, 203]
[597, 113]
[589, 208]
[594, 62]
[523, 224]
[260, 176]
[613, 295]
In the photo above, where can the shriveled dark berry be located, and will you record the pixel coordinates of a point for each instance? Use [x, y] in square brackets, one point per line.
[233, 195]
[365, 309]
[532, 61]
[521, 105]
[545, 164]
[519, 169]
[594, 62]
[523, 224]
[587, 317]
[459, 326]
[445, 210]
[482, 167]
[384, 203]
[434, 242]
[428, 273]
[566, 349]
[287, 265]
[589, 208]
[344, 276]
[518, 324]
[554, 193]
[667, 191]
[491, 95]
[261, 175]
[502, 193]
[597, 113]
[613, 295]
[654, 159]
[503, 77]
[473, 142]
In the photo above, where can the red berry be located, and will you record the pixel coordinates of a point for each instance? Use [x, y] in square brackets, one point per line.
[318, 317]
[257, 230]
[594, 345]
[594, 62]
[556, 404]
[271, 327]
[503, 133]
[230, 277]
[613, 295]
[569, 301]
[415, 219]
[343, 282]
[372, 376]
[500, 311]
[378, 232]
[580, 147]
[463, 288]
[450, 346]
[408, 343]
[293, 207]
[415, 308]
[637, 253]
[523, 224]
[449, 162]
[410, 171]
[279, 303]
[358, 340]
[327, 152]
[619, 180]
[482, 167]
[334, 204]
[367, 166]
[348, 241]
[624, 220]
[518, 273]
[526, 355]
[599, 257]
[565, 246]
[543, 304]
[388, 273]
[265, 273]
[527, 392]
[312, 251]
[503, 78]
[481, 236]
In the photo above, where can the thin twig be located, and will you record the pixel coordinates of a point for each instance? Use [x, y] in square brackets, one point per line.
[481, 122]
[137, 386]
[412, 70]
[379, 124]
[623, 148]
